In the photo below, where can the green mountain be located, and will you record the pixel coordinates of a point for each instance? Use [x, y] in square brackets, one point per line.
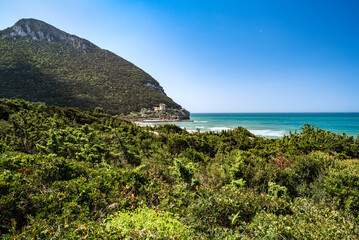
[39, 62]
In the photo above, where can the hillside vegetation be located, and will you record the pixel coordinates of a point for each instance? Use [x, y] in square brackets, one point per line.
[72, 174]
[39, 62]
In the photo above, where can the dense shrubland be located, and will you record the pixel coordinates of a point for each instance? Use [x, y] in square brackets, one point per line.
[71, 174]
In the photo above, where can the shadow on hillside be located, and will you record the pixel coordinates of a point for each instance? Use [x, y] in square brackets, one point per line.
[23, 80]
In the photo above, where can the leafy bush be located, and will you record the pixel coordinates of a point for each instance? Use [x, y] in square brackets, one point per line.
[342, 183]
[229, 208]
[308, 221]
[144, 223]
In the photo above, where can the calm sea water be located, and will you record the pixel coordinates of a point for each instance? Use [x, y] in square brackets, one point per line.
[273, 125]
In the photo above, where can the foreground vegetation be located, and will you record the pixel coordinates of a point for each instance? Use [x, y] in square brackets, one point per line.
[70, 174]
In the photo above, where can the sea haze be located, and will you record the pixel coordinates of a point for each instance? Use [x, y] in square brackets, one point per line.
[273, 125]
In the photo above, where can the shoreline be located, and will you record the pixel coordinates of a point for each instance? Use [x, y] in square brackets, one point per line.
[271, 125]
[138, 121]
[149, 122]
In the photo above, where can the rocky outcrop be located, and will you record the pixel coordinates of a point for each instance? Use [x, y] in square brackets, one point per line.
[162, 113]
[156, 87]
[41, 31]
[184, 114]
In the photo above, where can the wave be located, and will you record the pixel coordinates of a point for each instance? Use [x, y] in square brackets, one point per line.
[218, 129]
[191, 131]
[268, 133]
[142, 124]
[200, 121]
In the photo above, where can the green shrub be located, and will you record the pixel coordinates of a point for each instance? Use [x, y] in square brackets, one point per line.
[228, 209]
[3, 147]
[308, 221]
[144, 223]
[277, 190]
[342, 183]
[304, 173]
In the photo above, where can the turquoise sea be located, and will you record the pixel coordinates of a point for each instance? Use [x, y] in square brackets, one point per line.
[273, 125]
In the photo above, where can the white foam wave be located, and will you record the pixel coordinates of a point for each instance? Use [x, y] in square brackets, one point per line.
[218, 129]
[268, 133]
[142, 124]
[201, 121]
[191, 131]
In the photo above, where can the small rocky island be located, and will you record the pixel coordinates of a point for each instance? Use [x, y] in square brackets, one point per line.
[162, 113]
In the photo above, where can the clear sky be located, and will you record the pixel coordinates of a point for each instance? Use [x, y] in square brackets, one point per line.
[221, 55]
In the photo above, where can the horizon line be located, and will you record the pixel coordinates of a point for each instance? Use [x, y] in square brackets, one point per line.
[261, 112]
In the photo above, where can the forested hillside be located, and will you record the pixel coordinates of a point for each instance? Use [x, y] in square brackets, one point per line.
[39, 62]
[72, 174]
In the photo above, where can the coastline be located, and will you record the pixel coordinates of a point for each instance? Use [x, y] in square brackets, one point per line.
[269, 125]
[144, 121]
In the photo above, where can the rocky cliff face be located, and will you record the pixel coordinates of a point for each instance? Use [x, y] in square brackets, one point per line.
[41, 31]
[161, 114]
[184, 114]
[155, 86]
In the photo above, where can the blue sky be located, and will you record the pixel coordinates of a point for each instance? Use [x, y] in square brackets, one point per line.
[224, 56]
